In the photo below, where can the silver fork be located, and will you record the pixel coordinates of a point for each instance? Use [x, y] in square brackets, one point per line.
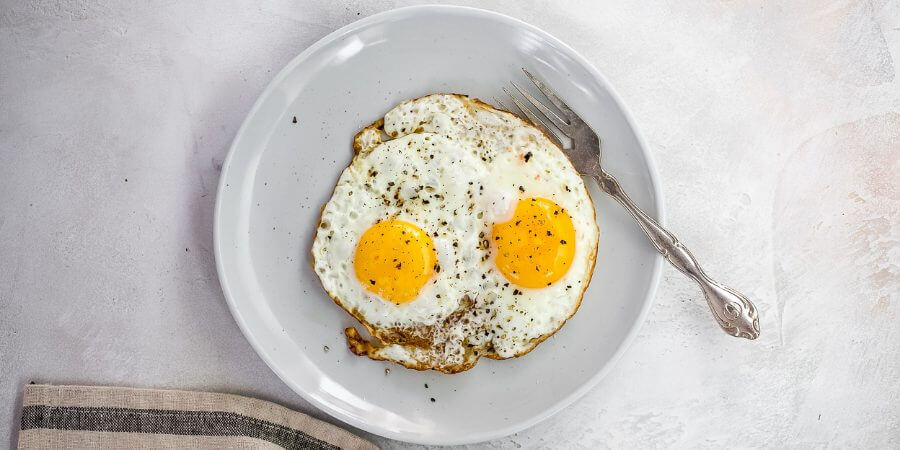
[733, 311]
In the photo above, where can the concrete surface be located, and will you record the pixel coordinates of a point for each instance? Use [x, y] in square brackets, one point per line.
[775, 126]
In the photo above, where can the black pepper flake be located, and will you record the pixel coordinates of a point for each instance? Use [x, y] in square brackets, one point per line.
[372, 282]
[562, 241]
[433, 400]
[521, 189]
[527, 156]
[426, 385]
[295, 119]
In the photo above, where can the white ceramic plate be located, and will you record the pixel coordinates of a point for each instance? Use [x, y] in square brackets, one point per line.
[279, 173]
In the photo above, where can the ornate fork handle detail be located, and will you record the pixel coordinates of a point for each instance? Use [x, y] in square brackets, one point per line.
[734, 312]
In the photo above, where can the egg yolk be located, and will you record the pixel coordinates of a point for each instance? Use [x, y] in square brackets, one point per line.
[537, 246]
[394, 259]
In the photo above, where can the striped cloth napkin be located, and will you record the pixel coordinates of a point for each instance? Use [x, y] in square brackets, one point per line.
[122, 418]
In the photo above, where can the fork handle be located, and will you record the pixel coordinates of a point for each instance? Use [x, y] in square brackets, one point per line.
[733, 311]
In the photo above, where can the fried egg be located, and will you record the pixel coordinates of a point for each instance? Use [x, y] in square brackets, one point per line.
[458, 231]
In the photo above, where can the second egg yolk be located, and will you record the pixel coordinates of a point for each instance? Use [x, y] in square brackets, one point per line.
[537, 246]
[395, 259]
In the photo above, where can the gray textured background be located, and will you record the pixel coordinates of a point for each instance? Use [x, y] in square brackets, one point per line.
[775, 127]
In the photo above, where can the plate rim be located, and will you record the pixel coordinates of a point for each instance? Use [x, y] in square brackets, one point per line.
[340, 414]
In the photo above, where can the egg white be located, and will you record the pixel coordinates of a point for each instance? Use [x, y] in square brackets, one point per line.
[484, 162]
[501, 142]
[419, 168]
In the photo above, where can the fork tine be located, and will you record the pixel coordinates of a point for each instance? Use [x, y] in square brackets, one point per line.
[500, 104]
[558, 121]
[550, 95]
[535, 120]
